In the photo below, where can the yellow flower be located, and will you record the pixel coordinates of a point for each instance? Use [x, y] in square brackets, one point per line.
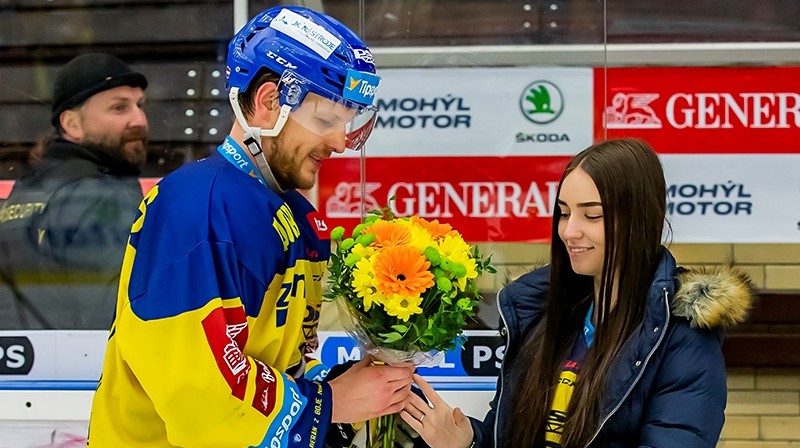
[364, 283]
[402, 270]
[457, 251]
[453, 246]
[421, 238]
[403, 307]
[363, 252]
[401, 275]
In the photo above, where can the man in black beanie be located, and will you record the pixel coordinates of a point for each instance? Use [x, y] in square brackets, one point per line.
[64, 226]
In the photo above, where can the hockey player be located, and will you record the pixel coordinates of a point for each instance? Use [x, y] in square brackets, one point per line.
[221, 282]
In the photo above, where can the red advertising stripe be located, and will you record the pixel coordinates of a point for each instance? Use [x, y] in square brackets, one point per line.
[145, 182]
[5, 188]
[485, 198]
[697, 110]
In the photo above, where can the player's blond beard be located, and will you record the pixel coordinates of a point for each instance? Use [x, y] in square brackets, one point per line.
[285, 166]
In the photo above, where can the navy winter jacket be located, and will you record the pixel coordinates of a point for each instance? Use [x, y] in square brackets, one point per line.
[667, 387]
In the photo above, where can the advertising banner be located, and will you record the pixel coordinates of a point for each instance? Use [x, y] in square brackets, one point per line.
[483, 148]
[701, 110]
[730, 144]
[48, 378]
[478, 361]
[733, 198]
[484, 198]
[145, 182]
[52, 355]
[78, 355]
[482, 111]
[728, 137]
[5, 188]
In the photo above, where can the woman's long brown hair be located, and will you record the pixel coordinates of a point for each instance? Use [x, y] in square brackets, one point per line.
[630, 180]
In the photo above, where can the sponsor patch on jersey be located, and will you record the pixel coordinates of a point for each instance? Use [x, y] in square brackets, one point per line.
[319, 224]
[266, 385]
[293, 403]
[226, 332]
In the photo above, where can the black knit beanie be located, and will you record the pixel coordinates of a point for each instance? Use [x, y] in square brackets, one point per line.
[88, 74]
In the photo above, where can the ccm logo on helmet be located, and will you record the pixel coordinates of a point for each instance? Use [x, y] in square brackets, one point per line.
[281, 60]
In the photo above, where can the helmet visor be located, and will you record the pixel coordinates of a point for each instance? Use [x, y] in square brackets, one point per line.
[342, 123]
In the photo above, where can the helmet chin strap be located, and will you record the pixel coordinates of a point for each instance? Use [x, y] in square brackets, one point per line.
[252, 138]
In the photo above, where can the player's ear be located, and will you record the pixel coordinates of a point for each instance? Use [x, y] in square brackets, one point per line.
[266, 105]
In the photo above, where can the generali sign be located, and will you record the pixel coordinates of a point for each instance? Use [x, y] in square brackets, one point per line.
[701, 109]
[484, 198]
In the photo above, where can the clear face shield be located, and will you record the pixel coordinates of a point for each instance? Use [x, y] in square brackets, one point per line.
[341, 122]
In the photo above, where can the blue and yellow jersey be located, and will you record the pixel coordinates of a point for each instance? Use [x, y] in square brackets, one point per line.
[218, 305]
[557, 417]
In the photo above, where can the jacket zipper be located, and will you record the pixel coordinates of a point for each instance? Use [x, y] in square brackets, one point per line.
[638, 377]
[502, 365]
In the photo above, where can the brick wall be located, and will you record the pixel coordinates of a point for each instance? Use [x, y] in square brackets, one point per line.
[763, 409]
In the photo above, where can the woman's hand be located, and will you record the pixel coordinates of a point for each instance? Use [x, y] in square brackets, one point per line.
[437, 423]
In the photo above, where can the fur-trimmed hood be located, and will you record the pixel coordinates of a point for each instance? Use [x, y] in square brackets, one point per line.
[713, 298]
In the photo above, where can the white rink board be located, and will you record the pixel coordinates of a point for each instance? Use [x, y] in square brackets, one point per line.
[50, 405]
[61, 418]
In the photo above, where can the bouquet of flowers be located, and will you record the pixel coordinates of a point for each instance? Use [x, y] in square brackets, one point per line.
[404, 288]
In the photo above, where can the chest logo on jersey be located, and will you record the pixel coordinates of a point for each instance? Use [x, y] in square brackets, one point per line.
[320, 226]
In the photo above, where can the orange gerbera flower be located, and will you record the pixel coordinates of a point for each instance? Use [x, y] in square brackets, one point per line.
[436, 229]
[402, 270]
[388, 234]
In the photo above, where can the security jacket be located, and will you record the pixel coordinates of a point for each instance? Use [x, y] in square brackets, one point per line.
[62, 237]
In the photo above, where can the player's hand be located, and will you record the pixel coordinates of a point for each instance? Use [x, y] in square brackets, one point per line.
[367, 391]
[436, 422]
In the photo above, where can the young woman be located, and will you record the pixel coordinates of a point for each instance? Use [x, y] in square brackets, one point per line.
[611, 345]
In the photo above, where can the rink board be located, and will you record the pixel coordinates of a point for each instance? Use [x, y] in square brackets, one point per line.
[49, 404]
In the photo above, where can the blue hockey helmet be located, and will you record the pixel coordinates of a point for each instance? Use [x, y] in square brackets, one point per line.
[313, 54]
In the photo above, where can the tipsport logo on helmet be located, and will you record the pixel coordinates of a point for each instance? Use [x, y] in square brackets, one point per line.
[541, 102]
[360, 87]
[306, 32]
